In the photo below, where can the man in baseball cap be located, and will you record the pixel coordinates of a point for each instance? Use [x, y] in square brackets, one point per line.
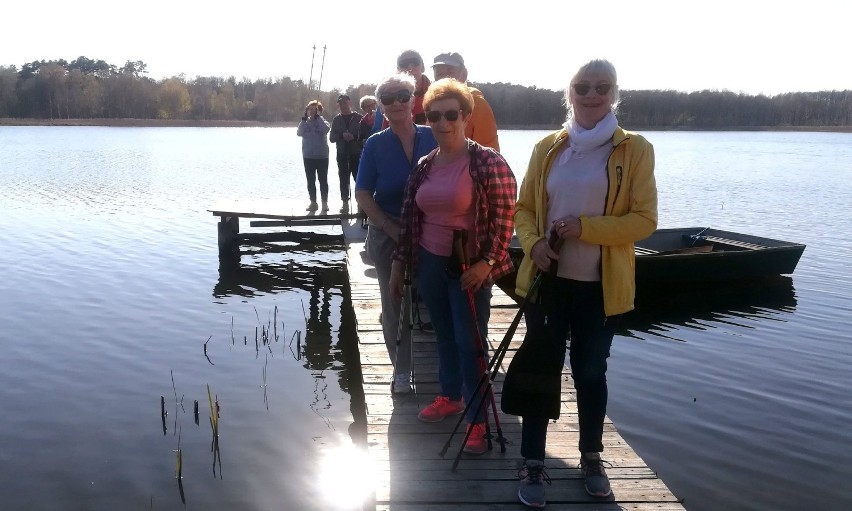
[345, 128]
[482, 127]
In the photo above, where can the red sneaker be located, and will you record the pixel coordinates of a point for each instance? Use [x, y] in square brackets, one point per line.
[476, 442]
[440, 409]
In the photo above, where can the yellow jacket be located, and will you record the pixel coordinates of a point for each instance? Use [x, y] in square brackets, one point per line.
[482, 127]
[630, 214]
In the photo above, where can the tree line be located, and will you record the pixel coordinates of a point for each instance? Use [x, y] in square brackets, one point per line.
[94, 89]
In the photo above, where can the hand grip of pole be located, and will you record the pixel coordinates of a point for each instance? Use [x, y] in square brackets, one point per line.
[460, 247]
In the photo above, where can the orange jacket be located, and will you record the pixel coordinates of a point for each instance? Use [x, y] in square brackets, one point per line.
[482, 127]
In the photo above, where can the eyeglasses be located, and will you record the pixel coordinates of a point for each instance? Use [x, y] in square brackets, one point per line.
[403, 96]
[449, 115]
[402, 64]
[583, 88]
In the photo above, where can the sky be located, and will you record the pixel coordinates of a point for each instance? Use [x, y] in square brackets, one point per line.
[749, 46]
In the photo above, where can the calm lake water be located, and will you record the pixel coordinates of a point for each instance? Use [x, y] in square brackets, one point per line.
[740, 397]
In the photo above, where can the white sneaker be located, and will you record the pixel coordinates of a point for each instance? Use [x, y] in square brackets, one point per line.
[401, 384]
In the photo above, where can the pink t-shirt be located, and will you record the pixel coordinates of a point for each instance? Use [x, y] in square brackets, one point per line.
[446, 200]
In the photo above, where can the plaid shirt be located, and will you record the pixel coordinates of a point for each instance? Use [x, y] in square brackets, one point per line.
[495, 191]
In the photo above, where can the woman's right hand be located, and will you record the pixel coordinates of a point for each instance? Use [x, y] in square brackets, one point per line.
[542, 255]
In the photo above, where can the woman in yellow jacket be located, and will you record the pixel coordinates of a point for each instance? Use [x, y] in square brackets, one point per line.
[592, 184]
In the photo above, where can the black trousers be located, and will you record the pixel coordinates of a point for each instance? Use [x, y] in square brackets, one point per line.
[347, 165]
[317, 167]
[575, 309]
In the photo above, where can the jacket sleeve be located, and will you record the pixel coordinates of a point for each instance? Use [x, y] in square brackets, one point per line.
[484, 125]
[302, 129]
[640, 218]
[501, 192]
[404, 248]
[525, 209]
[336, 133]
[322, 125]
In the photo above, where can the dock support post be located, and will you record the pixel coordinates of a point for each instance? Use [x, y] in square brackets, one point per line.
[229, 246]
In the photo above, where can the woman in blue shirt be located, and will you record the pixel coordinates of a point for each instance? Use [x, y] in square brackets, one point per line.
[388, 159]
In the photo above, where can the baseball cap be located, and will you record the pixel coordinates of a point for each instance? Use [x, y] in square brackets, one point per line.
[449, 59]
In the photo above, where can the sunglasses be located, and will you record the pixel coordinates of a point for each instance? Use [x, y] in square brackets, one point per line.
[583, 88]
[403, 96]
[449, 115]
[402, 64]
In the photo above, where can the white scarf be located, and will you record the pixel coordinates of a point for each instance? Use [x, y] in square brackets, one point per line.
[582, 140]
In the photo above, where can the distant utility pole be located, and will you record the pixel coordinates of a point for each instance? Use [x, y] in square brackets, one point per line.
[319, 86]
[311, 78]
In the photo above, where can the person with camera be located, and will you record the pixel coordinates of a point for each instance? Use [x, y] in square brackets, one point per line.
[313, 128]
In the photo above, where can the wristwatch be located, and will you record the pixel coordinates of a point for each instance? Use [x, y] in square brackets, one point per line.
[490, 262]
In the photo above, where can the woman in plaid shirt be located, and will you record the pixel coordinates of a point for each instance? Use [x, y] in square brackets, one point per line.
[459, 185]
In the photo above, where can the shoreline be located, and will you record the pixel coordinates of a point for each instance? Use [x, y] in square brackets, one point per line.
[183, 123]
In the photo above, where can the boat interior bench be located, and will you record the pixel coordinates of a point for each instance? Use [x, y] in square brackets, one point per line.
[725, 243]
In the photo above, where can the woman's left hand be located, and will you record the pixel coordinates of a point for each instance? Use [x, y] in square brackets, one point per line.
[475, 276]
[567, 227]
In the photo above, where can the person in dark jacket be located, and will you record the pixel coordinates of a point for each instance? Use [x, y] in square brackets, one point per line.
[345, 128]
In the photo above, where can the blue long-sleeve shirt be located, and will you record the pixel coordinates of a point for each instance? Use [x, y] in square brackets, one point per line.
[384, 167]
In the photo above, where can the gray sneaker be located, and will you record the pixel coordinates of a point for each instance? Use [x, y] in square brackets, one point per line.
[597, 483]
[531, 489]
[401, 384]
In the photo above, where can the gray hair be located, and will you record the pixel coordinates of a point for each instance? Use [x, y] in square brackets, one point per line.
[396, 82]
[367, 99]
[602, 66]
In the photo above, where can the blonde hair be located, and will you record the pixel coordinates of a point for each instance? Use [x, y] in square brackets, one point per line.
[602, 66]
[449, 88]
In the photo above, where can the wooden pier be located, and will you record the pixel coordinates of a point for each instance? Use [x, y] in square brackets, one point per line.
[410, 473]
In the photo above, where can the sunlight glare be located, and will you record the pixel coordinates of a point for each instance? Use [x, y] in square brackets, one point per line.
[347, 477]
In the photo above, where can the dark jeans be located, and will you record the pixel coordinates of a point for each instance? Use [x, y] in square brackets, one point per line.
[347, 164]
[575, 310]
[317, 167]
[459, 364]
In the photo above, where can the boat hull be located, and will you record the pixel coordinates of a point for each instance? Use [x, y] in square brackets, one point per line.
[699, 254]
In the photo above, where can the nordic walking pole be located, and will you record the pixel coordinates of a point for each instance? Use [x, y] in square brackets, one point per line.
[400, 328]
[460, 242]
[494, 365]
[410, 291]
[503, 347]
[322, 67]
[311, 76]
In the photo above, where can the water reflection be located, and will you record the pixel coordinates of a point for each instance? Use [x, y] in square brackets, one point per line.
[272, 268]
[661, 310]
[264, 268]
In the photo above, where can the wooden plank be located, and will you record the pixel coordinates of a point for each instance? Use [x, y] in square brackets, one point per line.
[733, 243]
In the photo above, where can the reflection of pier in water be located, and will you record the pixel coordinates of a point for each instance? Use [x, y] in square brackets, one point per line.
[703, 306]
[305, 264]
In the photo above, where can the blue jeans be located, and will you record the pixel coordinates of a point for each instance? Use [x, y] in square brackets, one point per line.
[576, 309]
[461, 363]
